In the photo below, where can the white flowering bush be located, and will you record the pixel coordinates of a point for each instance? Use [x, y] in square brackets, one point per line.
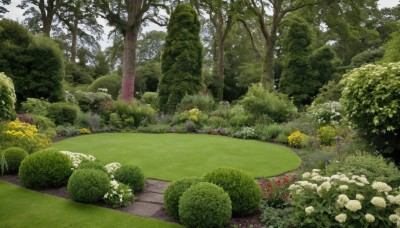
[245, 133]
[327, 113]
[119, 195]
[78, 158]
[111, 168]
[344, 200]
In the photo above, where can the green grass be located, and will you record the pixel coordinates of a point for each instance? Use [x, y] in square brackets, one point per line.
[173, 156]
[21, 207]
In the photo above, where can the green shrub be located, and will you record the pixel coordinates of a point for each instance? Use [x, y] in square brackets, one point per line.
[88, 185]
[375, 168]
[67, 130]
[45, 125]
[297, 139]
[14, 157]
[91, 101]
[150, 98]
[204, 103]
[110, 82]
[241, 187]
[7, 98]
[205, 205]
[217, 122]
[132, 176]
[44, 169]
[371, 97]
[282, 138]
[330, 112]
[327, 135]
[245, 133]
[259, 102]
[269, 132]
[36, 106]
[93, 165]
[272, 217]
[174, 192]
[155, 129]
[119, 195]
[63, 113]
[238, 117]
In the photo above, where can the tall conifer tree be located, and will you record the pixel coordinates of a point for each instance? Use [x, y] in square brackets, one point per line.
[181, 59]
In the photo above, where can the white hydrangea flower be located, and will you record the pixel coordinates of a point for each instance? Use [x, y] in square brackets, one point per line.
[369, 218]
[306, 175]
[343, 188]
[293, 187]
[363, 179]
[393, 218]
[317, 178]
[353, 205]
[335, 177]
[391, 199]
[341, 218]
[342, 200]
[309, 210]
[316, 170]
[112, 167]
[378, 202]
[359, 197]
[77, 158]
[381, 187]
[345, 179]
[397, 199]
[397, 211]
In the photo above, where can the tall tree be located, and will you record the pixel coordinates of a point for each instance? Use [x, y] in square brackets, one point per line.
[3, 10]
[127, 17]
[181, 59]
[222, 15]
[150, 46]
[46, 13]
[269, 25]
[298, 80]
[75, 14]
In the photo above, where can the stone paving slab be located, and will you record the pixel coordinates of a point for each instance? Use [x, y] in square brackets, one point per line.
[156, 186]
[143, 209]
[151, 197]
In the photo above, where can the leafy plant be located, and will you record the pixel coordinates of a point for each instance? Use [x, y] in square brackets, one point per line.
[327, 135]
[174, 192]
[45, 169]
[273, 217]
[327, 113]
[88, 185]
[67, 130]
[204, 103]
[119, 195]
[13, 157]
[296, 139]
[132, 176]
[92, 165]
[63, 113]
[3, 164]
[36, 106]
[274, 192]
[241, 187]
[205, 205]
[7, 98]
[245, 133]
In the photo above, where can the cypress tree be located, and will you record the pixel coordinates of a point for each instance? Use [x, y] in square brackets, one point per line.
[181, 59]
[298, 79]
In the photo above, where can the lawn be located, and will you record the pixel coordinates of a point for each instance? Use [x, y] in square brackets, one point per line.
[21, 207]
[173, 156]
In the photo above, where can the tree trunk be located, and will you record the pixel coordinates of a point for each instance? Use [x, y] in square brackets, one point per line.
[129, 65]
[220, 70]
[268, 65]
[74, 33]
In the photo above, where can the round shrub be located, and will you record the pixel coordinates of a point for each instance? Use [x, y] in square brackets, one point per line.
[44, 169]
[205, 205]
[14, 157]
[93, 165]
[327, 134]
[371, 97]
[241, 187]
[63, 113]
[88, 185]
[131, 175]
[110, 82]
[174, 192]
[296, 139]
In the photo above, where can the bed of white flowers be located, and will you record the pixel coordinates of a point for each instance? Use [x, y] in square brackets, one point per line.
[78, 158]
[119, 194]
[344, 201]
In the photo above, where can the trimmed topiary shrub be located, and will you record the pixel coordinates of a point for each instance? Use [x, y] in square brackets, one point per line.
[44, 169]
[131, 175]
[14, 157]
[63, 113]
[241, 187]
[92, 165]
[88, 185]
[110, 82]
[205, 205]
[174, 192]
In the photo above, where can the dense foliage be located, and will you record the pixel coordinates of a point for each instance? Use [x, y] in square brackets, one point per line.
[371, 97]
[14, 157]
[181, 59]
[63, 113]
[88, 185]
[132, 176]
[110, 82]
[174, 192]
[205, 205]
[7, 98]
[241, 187]
[45, 169]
